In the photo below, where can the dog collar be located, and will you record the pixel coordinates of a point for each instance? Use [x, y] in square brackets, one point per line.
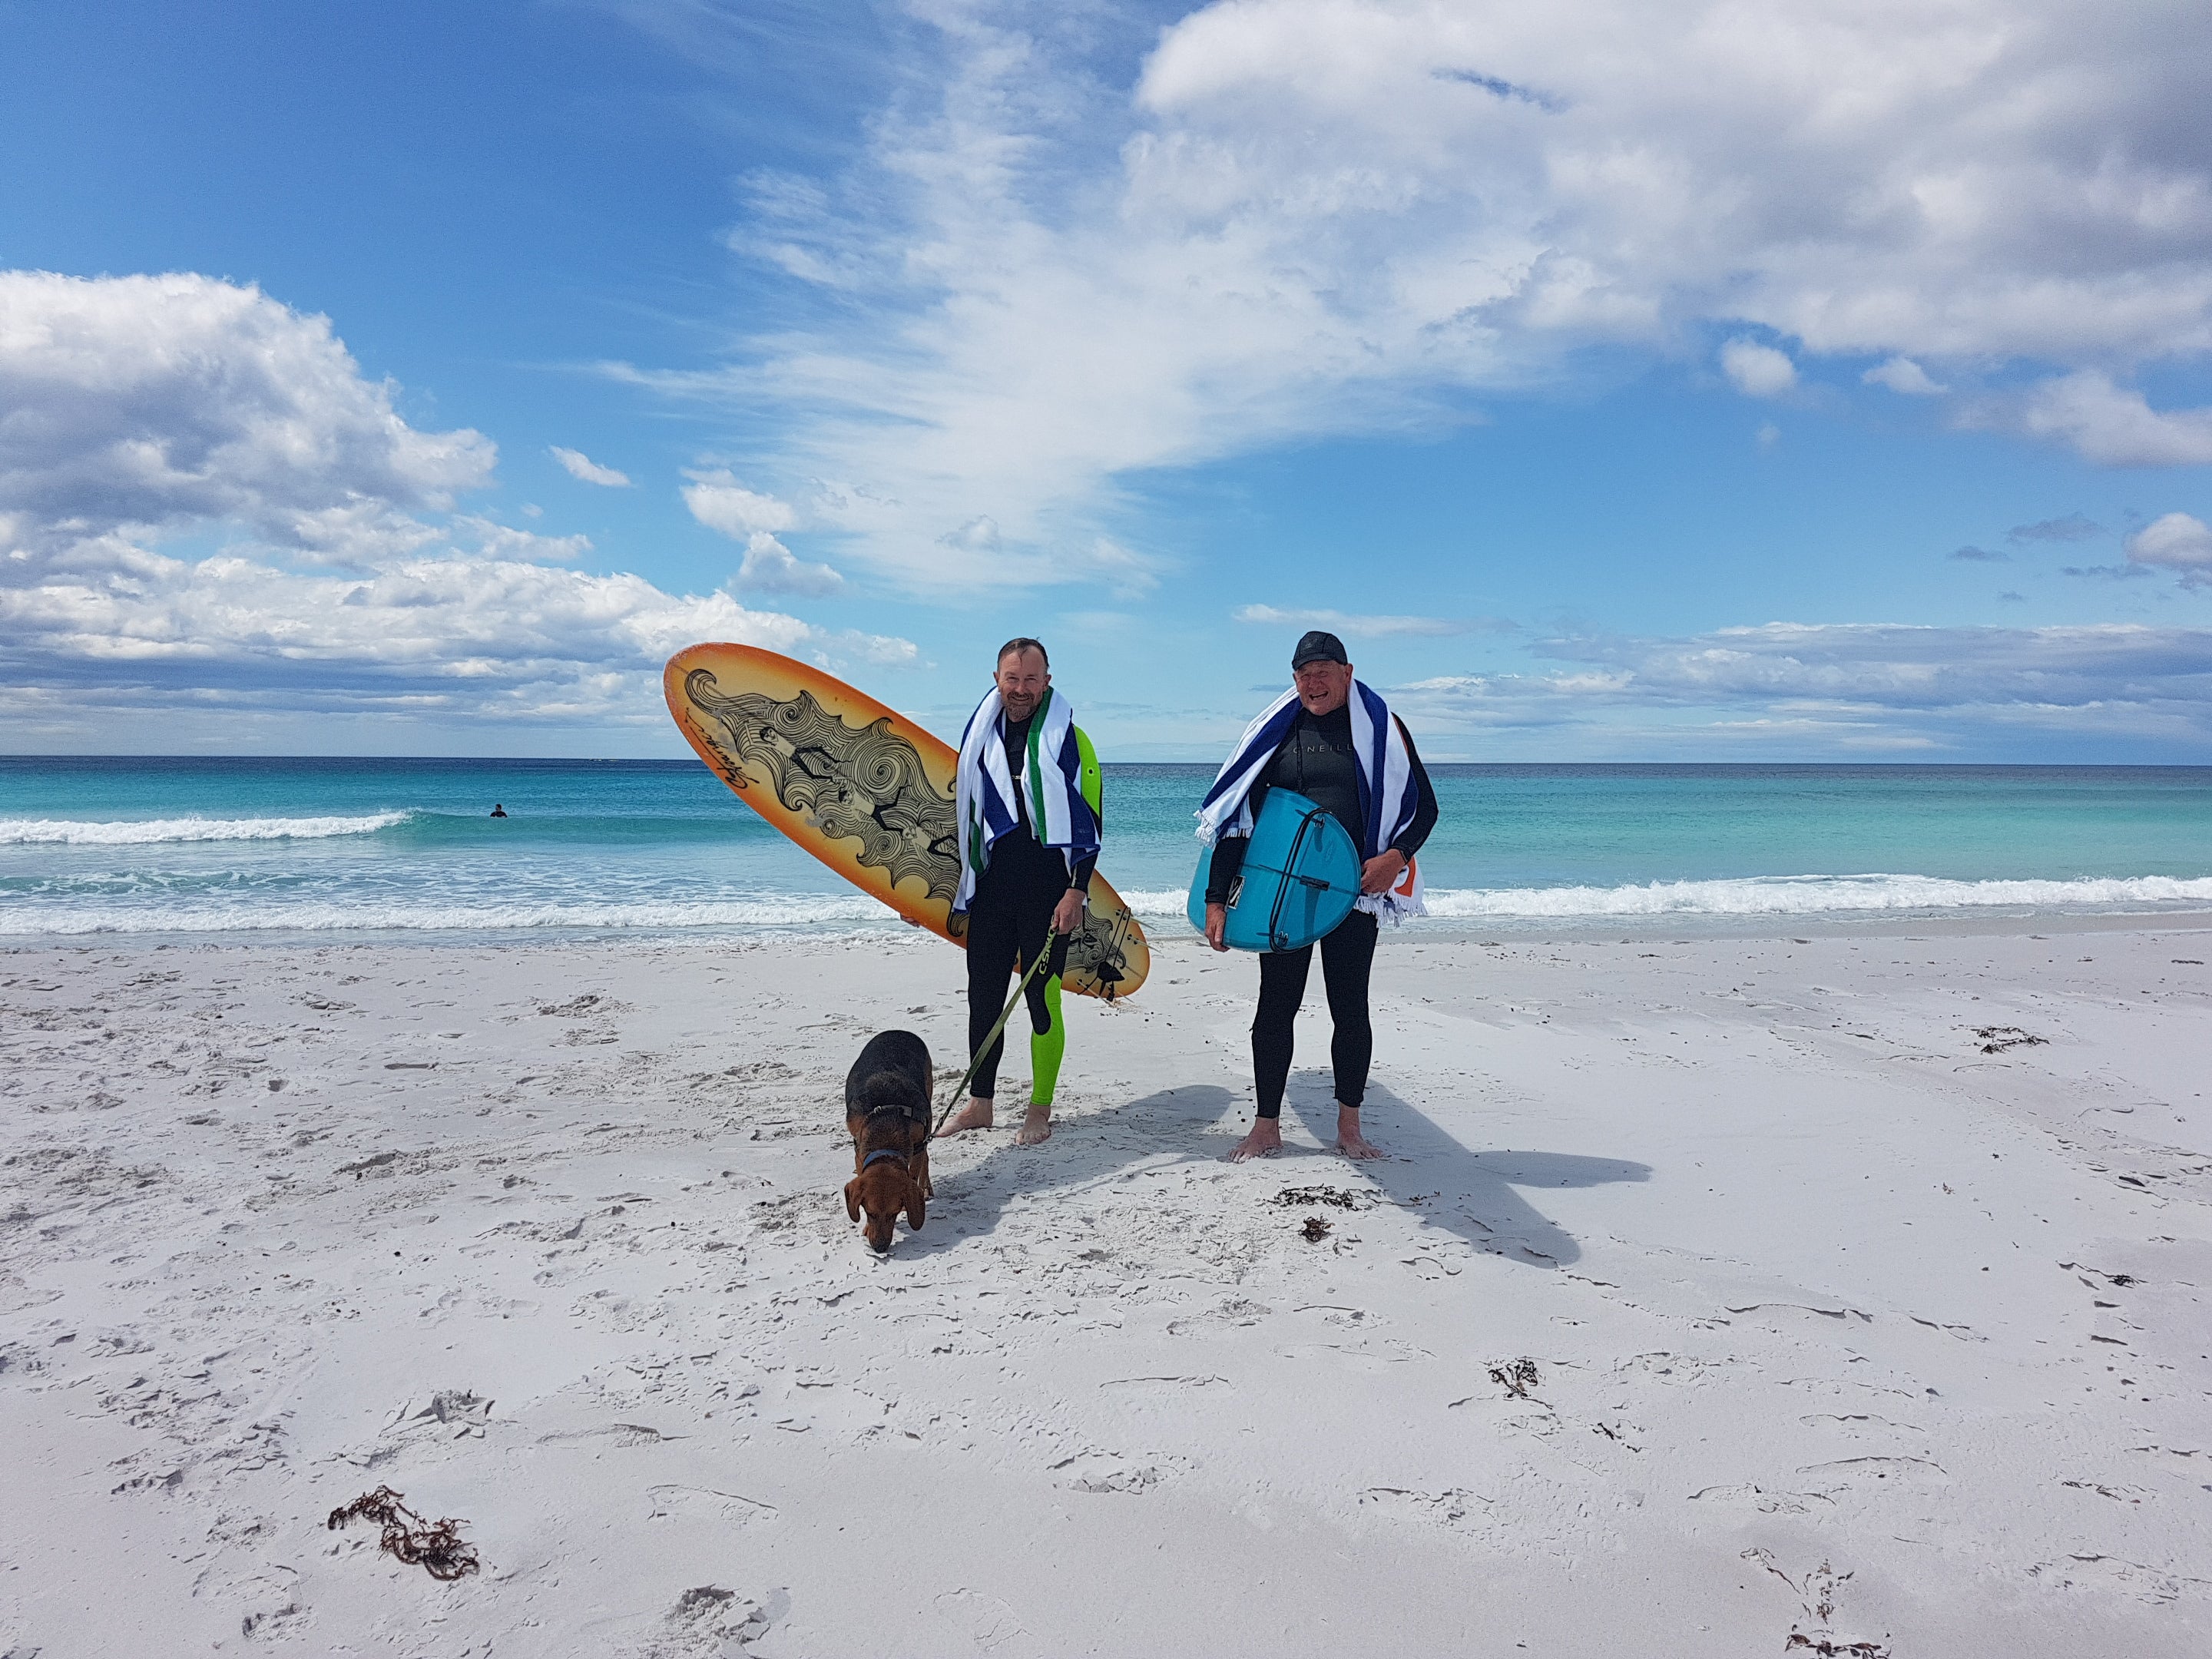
[880, 1153]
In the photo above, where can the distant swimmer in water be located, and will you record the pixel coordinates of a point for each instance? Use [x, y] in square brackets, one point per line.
[497, 811]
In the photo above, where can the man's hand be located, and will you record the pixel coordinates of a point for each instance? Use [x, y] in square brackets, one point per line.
[1217, 923]
[1377, 874]
[1067, 916]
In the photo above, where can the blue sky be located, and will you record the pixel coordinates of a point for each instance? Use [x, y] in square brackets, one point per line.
[1626, 381]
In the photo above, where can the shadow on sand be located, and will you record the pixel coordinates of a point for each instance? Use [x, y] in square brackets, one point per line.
[1475, 1195]
[1158, 1130]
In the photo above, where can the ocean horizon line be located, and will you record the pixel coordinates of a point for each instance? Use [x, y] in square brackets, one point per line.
[682, 762]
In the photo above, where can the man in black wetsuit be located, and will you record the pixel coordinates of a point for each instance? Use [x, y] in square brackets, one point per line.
[1318, 760]
[1024, 887]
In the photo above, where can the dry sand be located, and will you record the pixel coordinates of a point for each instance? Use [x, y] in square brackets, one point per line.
[548, 1238]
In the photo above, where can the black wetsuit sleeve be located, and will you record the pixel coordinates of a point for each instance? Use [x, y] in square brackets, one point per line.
[1425, 808]
[1079, 877]
[1228, 863]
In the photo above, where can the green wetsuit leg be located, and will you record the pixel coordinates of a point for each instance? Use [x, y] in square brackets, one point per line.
[1047, 1045]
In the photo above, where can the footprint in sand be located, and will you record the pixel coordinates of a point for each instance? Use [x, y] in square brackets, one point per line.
[709, 1620]
[1237, 1310]
[986, 1620]
[2159, 1586]
[1744, 1495]
[1455, 1508]
[1111, 1471]
[702, 1502]
[1861, 1475]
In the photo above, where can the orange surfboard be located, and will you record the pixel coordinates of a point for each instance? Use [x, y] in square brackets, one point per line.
[864, 790]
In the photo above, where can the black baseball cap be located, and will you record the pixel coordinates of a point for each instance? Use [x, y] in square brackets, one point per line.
[1318, 645]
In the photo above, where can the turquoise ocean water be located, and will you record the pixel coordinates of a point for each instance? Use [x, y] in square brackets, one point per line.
[354, 848]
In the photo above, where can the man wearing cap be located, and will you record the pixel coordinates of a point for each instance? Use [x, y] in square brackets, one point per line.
[1333, 740]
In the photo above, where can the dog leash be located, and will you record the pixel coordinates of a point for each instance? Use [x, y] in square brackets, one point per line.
[1005, 1014]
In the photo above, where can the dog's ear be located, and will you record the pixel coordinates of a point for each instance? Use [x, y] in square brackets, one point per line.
[851, 1199]
[915, 1206]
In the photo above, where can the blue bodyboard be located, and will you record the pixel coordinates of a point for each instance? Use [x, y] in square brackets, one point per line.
[1301, 877]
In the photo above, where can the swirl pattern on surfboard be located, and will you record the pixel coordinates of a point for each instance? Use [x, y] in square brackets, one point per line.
[864, 784]
[868, 784]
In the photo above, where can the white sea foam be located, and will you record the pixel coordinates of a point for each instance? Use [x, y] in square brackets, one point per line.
[1777, 895]
[130, 832]
[1782, 896]
[1148, 902]
[275, 915]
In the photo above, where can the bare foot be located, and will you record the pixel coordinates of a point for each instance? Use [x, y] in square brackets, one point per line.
[1265, 1141]
[976, 1114]
[1036, 1126]
[1349, 1140]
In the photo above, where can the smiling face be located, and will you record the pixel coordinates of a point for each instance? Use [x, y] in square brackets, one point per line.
[1022, 679]
[1324, 687]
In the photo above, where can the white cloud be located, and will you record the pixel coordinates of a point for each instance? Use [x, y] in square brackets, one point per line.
[427, 621]
[499, 541]
[138, 408]
[718, 500]
[979, 535]
[1902, 375]
[2072, 528]
[1895, 666]
[2112, 425]
[460, 635]
[583, 468]
[2177, 542]
[770, 568]
[1319, 215]
[136, 405]
[1129, 573]
[877, 650]
[1370, 627]
[1855, 686]
[1756, 370]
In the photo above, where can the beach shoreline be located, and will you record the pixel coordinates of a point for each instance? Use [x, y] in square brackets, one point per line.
[1519, 931]
[546, 1235]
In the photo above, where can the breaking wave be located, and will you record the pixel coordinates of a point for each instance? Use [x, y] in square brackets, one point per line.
[75, 832]
[1784, 895]
[274, 914]
[132, 911]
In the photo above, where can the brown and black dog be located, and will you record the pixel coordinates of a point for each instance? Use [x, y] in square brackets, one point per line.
[887, 1096]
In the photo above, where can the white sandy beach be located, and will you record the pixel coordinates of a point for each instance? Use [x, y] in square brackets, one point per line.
[548, 1238]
